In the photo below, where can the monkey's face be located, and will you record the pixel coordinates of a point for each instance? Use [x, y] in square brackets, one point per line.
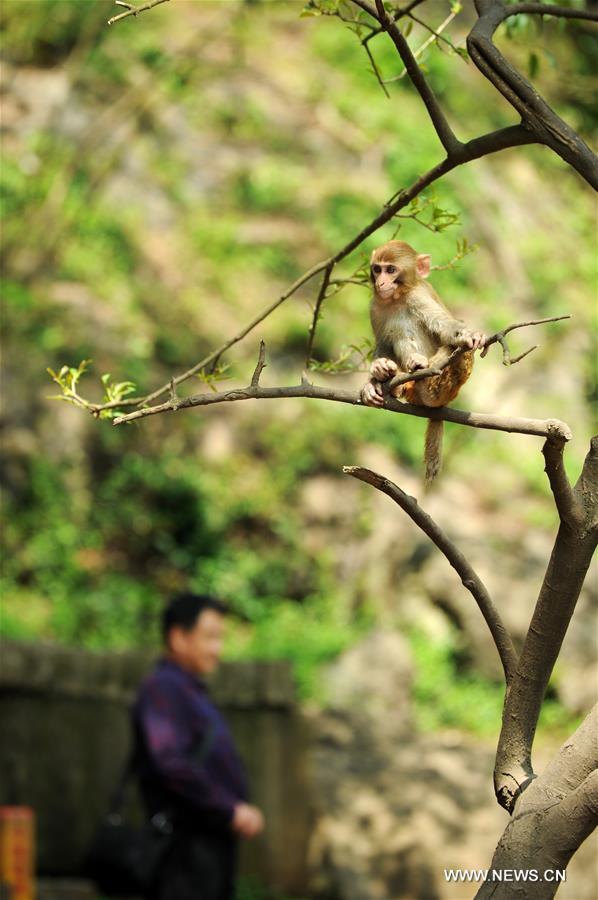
[385, 277]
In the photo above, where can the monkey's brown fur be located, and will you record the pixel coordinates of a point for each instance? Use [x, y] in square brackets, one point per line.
[414, 330]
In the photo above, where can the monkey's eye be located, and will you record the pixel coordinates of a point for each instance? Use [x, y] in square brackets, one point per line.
[376, 270]
[391, 269]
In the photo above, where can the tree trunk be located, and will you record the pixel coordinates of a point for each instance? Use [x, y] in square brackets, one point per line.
[552, 818]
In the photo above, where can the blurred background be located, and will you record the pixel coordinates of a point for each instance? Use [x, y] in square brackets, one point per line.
[165, 179]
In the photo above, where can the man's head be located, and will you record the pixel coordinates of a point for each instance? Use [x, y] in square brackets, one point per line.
[193, 630]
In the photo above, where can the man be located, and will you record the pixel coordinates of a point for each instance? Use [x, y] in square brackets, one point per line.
[187, 762]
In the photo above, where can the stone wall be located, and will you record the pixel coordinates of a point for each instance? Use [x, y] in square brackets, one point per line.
[65, 736]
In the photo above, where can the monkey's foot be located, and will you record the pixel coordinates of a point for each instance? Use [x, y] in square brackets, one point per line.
[417, 361]
[371, 394]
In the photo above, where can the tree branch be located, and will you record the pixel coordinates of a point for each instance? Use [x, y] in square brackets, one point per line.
[314, 324]
[468, 576]
[571, 557]
[544, 833]
[134, 10]
[576, 759]
[586, 489]
[547, 9]
[547, 428]
[255, 378]
[497, 338]
[536, 114]
[568, 508]
[437, 117]
[576, 816]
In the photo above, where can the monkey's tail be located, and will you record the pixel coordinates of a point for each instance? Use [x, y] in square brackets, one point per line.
[433, 450]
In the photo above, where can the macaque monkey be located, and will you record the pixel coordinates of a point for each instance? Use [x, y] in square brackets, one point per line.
[413, 330]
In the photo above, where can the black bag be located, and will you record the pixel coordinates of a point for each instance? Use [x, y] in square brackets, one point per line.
[124, 859]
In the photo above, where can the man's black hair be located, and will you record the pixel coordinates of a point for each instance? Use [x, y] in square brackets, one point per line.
[184, 610]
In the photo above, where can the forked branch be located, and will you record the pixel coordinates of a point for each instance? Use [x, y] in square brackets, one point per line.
[569, 562]
[497, 338]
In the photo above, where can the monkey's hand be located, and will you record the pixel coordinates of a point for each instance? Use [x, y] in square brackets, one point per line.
[371, 394]
[472, 340]
[417, 361]
[382, 368]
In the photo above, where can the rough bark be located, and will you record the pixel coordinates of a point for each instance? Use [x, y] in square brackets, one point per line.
[568, 566]
[552, 818]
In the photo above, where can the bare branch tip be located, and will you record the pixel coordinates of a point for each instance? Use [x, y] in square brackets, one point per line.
[261, 364]
[522, 355]
[558, 431]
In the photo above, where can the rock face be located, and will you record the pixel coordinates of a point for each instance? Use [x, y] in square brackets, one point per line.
[396, 809]
[371, 682]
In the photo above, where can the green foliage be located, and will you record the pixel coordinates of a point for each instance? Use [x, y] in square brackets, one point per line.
[114, 393]
[67, 379]
[446, 696]
[350, 358]
[46, 32]
[309, 635]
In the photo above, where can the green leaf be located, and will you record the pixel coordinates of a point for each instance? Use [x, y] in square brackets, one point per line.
[533, 64]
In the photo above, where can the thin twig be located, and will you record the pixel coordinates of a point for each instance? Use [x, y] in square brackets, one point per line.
[261, 362]
[435, 35]
[511, 362]
[437, 117]
[133, 10]
[397, 14]
[216, 354]
[375, 68]
[341, 281]
[497, 338]
[314, 322]
[466, 573]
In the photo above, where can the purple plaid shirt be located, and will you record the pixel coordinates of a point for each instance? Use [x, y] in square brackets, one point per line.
[187, 744]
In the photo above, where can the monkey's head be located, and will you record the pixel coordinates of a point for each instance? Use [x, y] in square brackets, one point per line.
[396, 265]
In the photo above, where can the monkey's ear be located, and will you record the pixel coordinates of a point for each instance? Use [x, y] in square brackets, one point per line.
[423, 265]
